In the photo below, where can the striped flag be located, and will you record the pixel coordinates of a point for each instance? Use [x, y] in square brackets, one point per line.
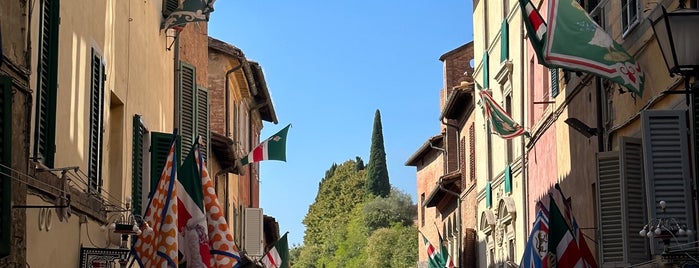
[273, 148]
[159, 247]
[224, 252]
[499, 121]
[585, 252]
[561, 241]
[278, 255]
[536, 28]
[191, 219]
[443, 257]
[536, 251]
[431, 253]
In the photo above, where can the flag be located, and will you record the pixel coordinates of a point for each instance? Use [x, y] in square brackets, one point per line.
[278, 255]
[585, 252]
[562, 245]
[189, 11]
[159, 247]
[536, 250]
[498, 119]
[224, 252]
[191, 220]
[273, 148]
[443, 257]
[536, 28]
[573, 41]
[431, 253]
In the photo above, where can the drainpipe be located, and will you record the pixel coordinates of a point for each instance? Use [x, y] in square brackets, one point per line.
[525, 163]
[177, 79]
[458, 196]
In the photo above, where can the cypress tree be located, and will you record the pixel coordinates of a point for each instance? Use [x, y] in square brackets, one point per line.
[377, 173]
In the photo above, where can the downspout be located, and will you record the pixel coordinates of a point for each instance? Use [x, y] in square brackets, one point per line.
[458, 196]
[177, 79]
[525, 163]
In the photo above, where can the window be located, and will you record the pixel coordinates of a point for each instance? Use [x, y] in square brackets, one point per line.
[509, 146]
[504, 41]
[47, 67]
[634, 179]
[169, 6]
[422, 209]
[629, 14]
[193, 111]
[137, 160]
[5, 163]
[96, 123]
[554, 82]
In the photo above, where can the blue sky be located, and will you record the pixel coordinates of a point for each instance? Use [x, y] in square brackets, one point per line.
[329, 65]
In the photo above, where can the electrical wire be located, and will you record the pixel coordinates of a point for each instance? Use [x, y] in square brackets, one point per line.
[87, 231]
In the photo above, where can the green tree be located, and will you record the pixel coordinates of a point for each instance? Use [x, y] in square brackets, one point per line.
[392, 247]
[396, 208]
[377, 182]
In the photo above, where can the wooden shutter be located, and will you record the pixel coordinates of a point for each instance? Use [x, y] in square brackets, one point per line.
[634, 216]
[187, 122]
[6, 163]
[96, 120]
[554, 82]
[159, 148]
[610, 202]
[665, 142]
[47, 73]
[488, 196]
[203, 120]
[486, 76]
[472, 152]
[169, 6]
[508, 179]
[137, 164]
[253, 231]
[504, 41]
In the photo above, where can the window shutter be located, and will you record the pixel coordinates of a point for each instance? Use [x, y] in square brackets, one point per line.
[611, 244]
[504, 41]
[508, 179]
[96, 118]
[203, 120]
[6, 162]
[45, 132]
[488, 196]
[633, 194]
[667, 167]
[187, 90]
[159, 148]
[472, 150]
[486, 76]
[137, 164]
[554, 82]
[253, 231]
[169, 6]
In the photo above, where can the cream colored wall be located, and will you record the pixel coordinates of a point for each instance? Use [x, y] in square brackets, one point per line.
[139, 80]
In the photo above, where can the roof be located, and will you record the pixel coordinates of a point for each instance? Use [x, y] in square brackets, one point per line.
[450, 182]
[445, 55]
[225, 48]
[261, 94]
[460, 102]
[222, 147]
[424, 149]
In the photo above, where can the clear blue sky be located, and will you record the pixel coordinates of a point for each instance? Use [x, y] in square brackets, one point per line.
[329, 65]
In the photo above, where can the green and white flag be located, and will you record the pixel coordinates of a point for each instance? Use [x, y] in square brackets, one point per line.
[574, 41]
[498, 120]
[273, 148]
[189, 11]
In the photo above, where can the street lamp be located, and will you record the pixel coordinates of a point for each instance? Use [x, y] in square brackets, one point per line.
[677, 38]
[664, 228]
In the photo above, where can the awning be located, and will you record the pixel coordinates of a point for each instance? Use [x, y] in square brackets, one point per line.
[222, 147]
[451, 182]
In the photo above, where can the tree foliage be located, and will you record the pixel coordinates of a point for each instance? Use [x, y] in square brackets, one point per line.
[392, 247]
[395, 208]
[377, 172]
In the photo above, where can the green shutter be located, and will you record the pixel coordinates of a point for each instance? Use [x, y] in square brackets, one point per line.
[96, 120]
[508, 179]
[6, 161]
[504, 41]
[169, 6]
[203, 120]
[137, 164]
[554, 82]
[187, 107]
[47, 73]
[488, 196]
[486, 76]
[159, 148]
